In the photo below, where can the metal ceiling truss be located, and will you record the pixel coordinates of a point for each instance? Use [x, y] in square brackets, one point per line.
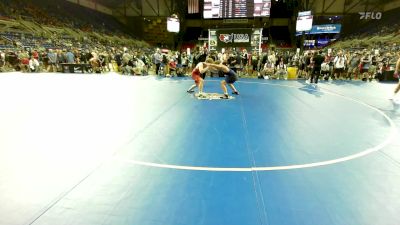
[324, 10]
[342, 7]
[143, 8]
[348, 6]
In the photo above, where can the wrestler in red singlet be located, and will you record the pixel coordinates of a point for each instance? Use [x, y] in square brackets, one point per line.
[198, 75]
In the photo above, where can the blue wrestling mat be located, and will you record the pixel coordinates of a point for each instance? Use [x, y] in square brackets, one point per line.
[110, 149]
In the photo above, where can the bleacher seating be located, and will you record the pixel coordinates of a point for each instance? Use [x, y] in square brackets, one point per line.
[61, 13]
[373, 33]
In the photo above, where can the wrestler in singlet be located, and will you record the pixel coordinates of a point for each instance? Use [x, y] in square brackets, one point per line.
[231, 76]
[196, 75]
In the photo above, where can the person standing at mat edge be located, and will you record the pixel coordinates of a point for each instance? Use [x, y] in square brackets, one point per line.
[231, 77]
[198, 75]
[396, 74]
[318, 59]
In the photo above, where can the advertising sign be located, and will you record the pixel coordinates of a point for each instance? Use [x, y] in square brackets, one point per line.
[234, 37]
[323, 42]
[323, 29]
[326, 29]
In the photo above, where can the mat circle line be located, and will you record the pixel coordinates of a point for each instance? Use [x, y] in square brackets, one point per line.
[365, 152]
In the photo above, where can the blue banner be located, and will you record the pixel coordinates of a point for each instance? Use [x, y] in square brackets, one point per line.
[323, 42]
[323, 29]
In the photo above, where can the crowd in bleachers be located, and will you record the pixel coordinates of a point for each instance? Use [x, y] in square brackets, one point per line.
[19, 47]
[61, 14]
[27, 52]
[371, 50]
[364, 64]
[372, 34]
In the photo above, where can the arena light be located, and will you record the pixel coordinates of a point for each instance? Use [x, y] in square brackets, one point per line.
[304, 21]
[173, 25]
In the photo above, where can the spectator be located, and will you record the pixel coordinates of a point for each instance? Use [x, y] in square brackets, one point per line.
[95, 63]
[238, 64]
[70, 57]
[139, 67]
[245, 60]
[2, 60]
[281, 70]
[318, 59]
[364, 66]
[325, 68]
[185, 63]
[396, 74]
[272, 58]
[339, 65]
[255, 62]
[172, 67]
[157, 59]
[52, 61]
[307, 65]
[35, 54]
[267, 71]
[24, 61]
[33, 65]
[353, 63]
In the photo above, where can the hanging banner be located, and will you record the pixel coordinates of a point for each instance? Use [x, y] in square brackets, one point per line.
[326, 29]
[234, 37]
[323, 29]
[322, 42]
[309, 43]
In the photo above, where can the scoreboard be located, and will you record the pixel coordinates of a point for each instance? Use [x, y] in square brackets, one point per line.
[216, 9]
